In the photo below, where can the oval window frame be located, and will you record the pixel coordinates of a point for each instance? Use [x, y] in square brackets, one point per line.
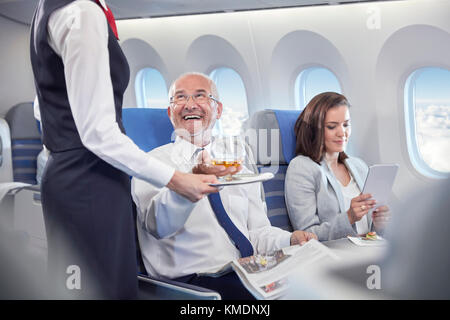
[139, 87]
[300, 85]
[415, 156]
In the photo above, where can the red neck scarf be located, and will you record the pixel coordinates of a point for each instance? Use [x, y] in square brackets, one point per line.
[110, 17]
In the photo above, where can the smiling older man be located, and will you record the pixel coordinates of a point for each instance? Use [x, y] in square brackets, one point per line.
[180, 239]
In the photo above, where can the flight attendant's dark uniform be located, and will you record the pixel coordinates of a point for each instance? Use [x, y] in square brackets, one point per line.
[87, 202]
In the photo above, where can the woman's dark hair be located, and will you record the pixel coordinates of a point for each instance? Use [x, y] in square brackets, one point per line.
[309, 128]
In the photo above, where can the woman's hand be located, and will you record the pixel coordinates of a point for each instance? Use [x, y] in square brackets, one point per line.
[380, 217]
[359, 207]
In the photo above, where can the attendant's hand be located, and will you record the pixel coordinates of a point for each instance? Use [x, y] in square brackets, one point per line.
[192, 186]
[380, 217]
[301, 237]
[206, 167]
[359, 207]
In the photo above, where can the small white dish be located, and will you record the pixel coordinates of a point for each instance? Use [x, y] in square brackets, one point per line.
[243, 179]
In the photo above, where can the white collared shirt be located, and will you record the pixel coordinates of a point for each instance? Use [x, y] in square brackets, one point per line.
[78, 33]
[178, 237]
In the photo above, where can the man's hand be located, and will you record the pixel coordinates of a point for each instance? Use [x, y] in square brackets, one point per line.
[205, 167]
[301, 237]
[192, 186]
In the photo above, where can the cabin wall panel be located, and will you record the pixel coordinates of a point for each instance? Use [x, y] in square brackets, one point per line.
[269, 48]
[398, 58]
[175, 40]
[16, 76]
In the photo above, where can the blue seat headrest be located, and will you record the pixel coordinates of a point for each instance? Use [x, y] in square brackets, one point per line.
[286, 122]
[148, 128]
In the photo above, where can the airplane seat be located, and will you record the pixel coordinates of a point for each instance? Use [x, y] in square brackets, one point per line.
[148, 128]
[151, 128]
[6, 171]
[274, 148]
[20, 145]
[25, 142]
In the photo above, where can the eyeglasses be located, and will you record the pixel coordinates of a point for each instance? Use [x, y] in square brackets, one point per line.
[200, 98]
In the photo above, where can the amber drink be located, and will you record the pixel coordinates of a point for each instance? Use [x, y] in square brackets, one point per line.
[228, 152]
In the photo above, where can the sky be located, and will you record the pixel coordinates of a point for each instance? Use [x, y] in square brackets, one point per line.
[432, 113]
[155, 89]
[231, 89]
[233, 96]
[312, 82]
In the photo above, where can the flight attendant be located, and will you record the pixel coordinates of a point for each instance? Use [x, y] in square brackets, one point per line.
[80, 75]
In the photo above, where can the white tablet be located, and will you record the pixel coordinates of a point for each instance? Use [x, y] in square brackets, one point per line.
[379, 182]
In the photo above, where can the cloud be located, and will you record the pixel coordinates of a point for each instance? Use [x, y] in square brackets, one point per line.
[433, 135]
[232, 121]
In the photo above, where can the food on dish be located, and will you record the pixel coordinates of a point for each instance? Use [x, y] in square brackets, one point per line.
[371, 236]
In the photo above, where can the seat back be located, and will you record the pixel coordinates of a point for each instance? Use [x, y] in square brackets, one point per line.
[274, 148]
[148, 128]
[6, 171]
[25, 142]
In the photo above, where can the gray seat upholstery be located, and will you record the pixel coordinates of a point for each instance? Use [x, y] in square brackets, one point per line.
[5, 152]
[270, 134]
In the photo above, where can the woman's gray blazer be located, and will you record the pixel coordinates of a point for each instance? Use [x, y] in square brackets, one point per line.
[314, 197]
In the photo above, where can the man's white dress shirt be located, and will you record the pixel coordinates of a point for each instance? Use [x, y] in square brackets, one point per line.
[78, 33]
[178, 237]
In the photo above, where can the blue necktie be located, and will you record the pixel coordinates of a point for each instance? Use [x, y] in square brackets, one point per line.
[240, 241]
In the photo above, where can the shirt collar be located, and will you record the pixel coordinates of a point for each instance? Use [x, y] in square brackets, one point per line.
[184, 150]
[103, 3]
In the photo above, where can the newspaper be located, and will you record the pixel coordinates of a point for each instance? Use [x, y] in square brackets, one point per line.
[266, 276]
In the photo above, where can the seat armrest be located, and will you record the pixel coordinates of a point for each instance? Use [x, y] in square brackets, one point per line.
[28, 214]
[34, 187]
[169, 289]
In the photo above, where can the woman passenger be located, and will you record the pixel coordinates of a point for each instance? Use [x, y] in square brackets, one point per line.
[323, 184]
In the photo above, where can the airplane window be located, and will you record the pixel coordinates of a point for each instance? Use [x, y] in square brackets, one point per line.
[151, 89]
[313, 81]
[233, 96]
[427, 110]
